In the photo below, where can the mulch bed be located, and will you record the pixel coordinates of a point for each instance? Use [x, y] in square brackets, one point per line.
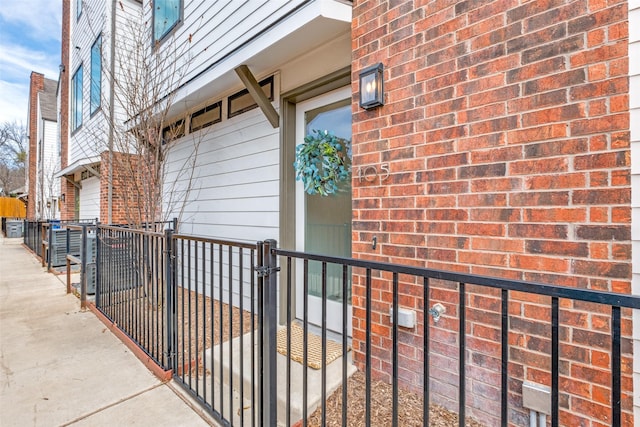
[409, 407]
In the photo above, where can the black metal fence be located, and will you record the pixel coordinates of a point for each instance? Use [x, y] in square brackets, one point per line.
[35, 232]
[33, 236]
[216, 312]
[132, 284]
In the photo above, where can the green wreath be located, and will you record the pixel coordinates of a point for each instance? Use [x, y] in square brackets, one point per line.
[323, 161]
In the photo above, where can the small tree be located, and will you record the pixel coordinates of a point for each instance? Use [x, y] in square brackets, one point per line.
[138, 131]
[13, 156]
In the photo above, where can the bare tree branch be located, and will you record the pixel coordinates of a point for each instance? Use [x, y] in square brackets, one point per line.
[13, 156]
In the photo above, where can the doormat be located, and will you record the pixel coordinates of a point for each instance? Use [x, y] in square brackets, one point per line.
[314, 347]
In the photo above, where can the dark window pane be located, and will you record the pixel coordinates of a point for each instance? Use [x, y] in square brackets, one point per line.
[207, 116]
[242, 101]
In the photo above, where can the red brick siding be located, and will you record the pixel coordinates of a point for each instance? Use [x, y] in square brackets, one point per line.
[127, 202]
[36, 85]
[506, 132]
[67, 208]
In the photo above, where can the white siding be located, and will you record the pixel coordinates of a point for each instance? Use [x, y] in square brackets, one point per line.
[234, 194]
[91, 138]
[634, 105]
[214, 39]
[90, 198]
[88, 139]
[213, 31]
[50, 165]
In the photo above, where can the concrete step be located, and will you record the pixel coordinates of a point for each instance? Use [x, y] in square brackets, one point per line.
[333, 372]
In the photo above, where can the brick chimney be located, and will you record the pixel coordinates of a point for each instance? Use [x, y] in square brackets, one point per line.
[36, 85]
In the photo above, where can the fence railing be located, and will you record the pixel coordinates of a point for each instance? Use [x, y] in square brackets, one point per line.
[35, 232]
[33, 236]
[209, 310]
[465, 324]
[131, 286]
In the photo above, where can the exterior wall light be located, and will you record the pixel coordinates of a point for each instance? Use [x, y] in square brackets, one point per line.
[371, 87]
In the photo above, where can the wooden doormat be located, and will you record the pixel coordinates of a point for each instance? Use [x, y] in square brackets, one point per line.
[314, 346]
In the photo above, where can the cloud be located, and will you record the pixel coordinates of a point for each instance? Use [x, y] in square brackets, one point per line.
[17, 62]
[41, 19]
[14, 102]
[30, 32]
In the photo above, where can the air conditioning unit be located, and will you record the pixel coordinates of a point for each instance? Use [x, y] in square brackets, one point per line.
[58, 246]
[90, 256]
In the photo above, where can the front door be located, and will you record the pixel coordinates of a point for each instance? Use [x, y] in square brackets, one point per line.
[323, 223]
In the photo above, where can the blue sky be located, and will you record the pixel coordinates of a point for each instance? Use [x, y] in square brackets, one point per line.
[29, 41]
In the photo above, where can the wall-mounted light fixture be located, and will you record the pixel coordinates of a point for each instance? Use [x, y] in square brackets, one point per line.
[62, 197]
[61, 67]
[371, 87]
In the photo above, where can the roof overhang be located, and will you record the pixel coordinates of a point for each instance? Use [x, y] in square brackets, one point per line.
[79, 165]
[312, 26]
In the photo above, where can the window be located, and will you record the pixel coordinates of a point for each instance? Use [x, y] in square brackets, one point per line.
[96, 75]
[209, 115]
[78, 8]
[166, 14]
[242, 101]
[76, 99]
[172, 132]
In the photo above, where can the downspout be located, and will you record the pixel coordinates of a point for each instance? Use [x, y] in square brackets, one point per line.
[111, 114]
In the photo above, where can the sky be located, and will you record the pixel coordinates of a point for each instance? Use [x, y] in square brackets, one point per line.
[30, 32]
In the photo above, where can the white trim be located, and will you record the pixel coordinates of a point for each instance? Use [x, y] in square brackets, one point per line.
[77, 166]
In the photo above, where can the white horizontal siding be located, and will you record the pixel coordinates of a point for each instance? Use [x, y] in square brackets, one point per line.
[90, 198]
[92, 137]
[51, 162]
[234, 194]
[85, 141]
[211, 30]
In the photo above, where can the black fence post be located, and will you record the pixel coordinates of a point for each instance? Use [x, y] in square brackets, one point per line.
[269, 332]
[97, 261]
[83, 268]
[168, 299]
[49, 247]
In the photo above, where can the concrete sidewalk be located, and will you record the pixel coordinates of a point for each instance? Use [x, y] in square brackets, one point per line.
[60, 366]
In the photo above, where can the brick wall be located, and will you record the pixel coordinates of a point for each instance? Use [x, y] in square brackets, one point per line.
[126, 189]
[36, 85]
[506, 133]
[67, 208]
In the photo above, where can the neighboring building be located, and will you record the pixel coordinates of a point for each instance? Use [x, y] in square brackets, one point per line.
[89, 106]
[43, 190]
[504, 148]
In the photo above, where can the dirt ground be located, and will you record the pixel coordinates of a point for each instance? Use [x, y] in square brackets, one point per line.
[409, 407]
[198, 307]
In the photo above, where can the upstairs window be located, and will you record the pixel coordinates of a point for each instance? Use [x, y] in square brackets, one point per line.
[78, 8]
[166, 15]
[76, 99]
[96, 75]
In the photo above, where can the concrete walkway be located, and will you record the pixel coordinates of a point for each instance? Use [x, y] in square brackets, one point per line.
[60, 366]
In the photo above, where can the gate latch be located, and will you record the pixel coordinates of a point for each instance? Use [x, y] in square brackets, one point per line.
[265, 271]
